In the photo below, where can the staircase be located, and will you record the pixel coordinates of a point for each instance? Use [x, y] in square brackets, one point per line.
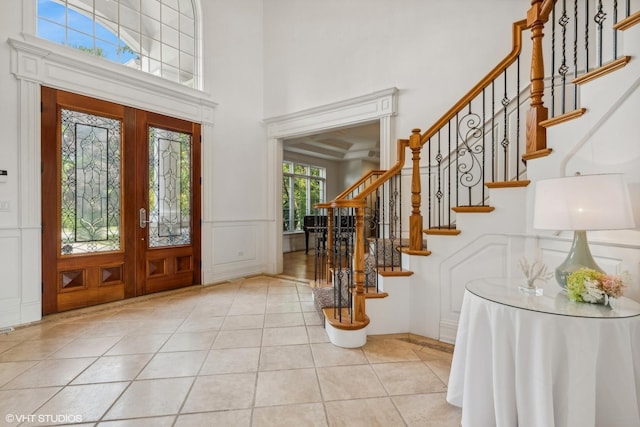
[472, 173]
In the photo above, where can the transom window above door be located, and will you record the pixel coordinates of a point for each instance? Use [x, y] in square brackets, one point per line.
[155, 36]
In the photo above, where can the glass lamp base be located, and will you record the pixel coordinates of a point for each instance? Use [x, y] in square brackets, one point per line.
[579, 256]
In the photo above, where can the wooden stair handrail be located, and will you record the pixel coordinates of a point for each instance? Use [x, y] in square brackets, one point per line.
[359, 182]
[516, 36]
[393, 171]
[546, 8]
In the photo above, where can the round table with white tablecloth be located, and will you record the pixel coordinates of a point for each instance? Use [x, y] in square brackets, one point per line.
[543, 361]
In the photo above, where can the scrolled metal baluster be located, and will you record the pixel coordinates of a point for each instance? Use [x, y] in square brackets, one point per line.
[468, 168]
[599, 19]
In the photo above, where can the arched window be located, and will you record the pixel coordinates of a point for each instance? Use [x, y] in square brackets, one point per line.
[155, 36]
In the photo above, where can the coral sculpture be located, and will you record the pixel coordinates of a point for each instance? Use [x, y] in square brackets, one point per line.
[534, 272]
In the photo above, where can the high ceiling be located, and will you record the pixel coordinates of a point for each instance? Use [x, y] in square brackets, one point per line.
[354, 143]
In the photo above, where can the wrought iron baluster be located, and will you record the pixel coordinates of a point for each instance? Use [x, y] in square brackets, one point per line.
[399, 181]
[449, 176]
[484, 127]
[564, 21]
[429, 183]
[553, 60]
[575, 53]
[493, 131]
[517, 160]
[439, 193]
[505, 137]
[586, 36]
[615, 32]
[599, 19]
[457, 145]
[466, 142]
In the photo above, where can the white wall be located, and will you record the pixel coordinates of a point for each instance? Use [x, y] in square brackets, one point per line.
[432, 51]
[235, 219]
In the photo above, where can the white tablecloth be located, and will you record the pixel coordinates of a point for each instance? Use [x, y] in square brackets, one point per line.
[520, 367]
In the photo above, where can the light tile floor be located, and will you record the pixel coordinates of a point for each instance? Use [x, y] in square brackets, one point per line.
[252, 352]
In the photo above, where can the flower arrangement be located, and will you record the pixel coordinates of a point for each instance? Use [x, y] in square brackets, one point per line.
[588, 285]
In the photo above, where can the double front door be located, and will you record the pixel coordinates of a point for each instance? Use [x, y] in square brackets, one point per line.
[120, 202]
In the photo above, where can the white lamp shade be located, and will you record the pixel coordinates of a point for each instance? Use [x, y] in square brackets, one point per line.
[583, 202]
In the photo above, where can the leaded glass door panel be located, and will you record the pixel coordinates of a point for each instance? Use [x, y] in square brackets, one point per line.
[119, 213]
[169, 225]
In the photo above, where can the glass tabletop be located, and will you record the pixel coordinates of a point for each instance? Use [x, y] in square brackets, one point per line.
[503, 291]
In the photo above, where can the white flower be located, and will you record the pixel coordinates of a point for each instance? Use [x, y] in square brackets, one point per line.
[592, 292]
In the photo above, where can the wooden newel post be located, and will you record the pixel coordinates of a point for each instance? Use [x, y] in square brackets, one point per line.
[415, 220]
[359, 313]
[536, 134]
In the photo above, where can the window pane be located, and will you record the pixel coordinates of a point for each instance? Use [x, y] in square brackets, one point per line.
[186, 8]
[107, 9]
[52, 11]
[187, 44]
[300, 169]
[170, 36]
[128, 56]
[170, 56]
[50, 31]
[106, 50]
[151, 27]
[90, 183]
[186, 64]
[316, 192]
[79, 23]
[81, 42]
[169, 188]
[85, 6]
[151, 8]
[286, 204]
[105, 30]
[129, 18]
[300, 200]
[187, 26]
[286, 167]
[169, 16]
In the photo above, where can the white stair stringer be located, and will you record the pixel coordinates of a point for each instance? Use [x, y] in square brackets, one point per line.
[389, 315]
[419, 302]
[605, 138]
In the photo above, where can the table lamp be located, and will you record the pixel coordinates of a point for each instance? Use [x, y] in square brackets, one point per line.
[581, 203]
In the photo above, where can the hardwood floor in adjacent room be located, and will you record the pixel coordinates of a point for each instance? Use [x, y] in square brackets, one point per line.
[298, 264]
